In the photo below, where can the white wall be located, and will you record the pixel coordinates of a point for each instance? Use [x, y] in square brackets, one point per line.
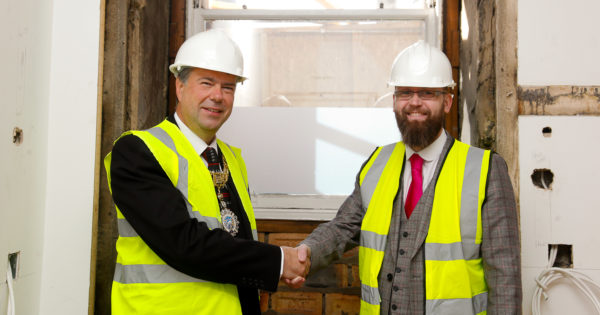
[559, 44]
[49, 89]
[25, 32]
[568, 212]
[71, 154]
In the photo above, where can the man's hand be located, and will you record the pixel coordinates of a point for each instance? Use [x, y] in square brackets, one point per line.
[298, 265]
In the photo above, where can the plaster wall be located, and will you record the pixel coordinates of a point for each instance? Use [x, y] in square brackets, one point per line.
[558, 45]
[49, 89]
[558, 42]
[25, 34]
[71, 138]
[564, 212]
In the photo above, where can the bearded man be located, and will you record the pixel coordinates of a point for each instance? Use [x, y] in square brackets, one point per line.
[435, 219]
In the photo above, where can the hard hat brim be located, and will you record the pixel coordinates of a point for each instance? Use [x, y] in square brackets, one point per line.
[176, 68]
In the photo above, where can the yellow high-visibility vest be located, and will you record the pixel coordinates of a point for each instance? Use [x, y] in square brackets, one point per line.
[454, 274]
[143, 282]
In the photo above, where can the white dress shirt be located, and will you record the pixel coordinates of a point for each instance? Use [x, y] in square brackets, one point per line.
[198, 144]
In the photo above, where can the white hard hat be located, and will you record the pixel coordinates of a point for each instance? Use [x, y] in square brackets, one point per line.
[421, 65]
[211, 50]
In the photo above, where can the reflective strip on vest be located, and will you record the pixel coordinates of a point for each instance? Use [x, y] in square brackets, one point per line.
[369, 183]
[182, 181]
[469, 203]
[128, 274]
[476, 305]
[452, 251]
[369, 294]
[372, 240]
[126, 230]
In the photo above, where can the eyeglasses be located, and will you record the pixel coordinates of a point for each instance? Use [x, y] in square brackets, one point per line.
[427, 95]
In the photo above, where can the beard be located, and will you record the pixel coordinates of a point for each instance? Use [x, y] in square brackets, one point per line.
[420, 134]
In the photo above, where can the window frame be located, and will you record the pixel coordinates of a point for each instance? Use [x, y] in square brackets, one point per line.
[297, 206]
[196, 17]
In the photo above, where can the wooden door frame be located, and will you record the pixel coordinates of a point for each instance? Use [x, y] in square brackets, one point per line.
[140, 39]
[133, 96]
[451, 46]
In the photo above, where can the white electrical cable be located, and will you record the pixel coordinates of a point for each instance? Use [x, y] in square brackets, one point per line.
[550, 274]
[10, 310]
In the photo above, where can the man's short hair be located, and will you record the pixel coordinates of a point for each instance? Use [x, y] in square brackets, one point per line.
[184, 73]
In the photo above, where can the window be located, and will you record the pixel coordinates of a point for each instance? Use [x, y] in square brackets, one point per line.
[316, 63]
[317, 102]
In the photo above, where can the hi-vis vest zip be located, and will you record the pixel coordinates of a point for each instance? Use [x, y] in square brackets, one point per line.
[144, 283]
[454, 279]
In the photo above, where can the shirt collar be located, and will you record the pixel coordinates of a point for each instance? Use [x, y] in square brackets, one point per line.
[198, 144]
[432, 151]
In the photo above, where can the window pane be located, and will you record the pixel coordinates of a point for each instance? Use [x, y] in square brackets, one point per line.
[315, 4]
[307, 150]
[319, 63]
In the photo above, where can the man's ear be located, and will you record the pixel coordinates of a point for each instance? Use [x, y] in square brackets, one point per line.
[179, 85]
[448, 102]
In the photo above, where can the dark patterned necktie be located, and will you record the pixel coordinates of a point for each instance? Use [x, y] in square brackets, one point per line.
[212, 158]
[229, 219]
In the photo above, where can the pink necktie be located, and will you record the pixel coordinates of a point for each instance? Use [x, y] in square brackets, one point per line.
[416, 185]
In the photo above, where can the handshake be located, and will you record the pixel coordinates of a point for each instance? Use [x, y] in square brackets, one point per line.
[296, 265]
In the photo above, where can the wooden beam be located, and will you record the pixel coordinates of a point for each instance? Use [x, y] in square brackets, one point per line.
[559, 100]
[134, 85]
[468, 69]
[147, 62]
[114, 121]
[507, 137]
[451, 46]
[478, 77]
[176, 39]
[97, 164]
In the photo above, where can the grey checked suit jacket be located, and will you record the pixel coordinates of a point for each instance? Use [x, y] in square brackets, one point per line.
[401, 279]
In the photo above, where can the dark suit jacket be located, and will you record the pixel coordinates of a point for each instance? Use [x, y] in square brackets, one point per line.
[158, 213]
[500, 245]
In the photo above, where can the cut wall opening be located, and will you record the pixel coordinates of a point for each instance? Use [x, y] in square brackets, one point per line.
[547, 132]
[542, 178]
[564, 255]
[13, 261]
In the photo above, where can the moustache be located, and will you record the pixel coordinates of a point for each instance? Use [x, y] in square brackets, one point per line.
[408, 111]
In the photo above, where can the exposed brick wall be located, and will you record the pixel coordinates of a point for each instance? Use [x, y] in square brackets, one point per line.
[337, 303]
[297, 303]
[333, 290]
